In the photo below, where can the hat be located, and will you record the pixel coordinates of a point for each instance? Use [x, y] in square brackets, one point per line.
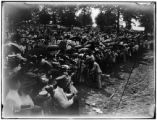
[66, 67]
[75, 54]
[90, 59]
[62, 77]
[14, 60]
[81, 55]
[43, 95]
[62, 81]
[44, 78]
[21, 57]
[15, 47]
[46, 64]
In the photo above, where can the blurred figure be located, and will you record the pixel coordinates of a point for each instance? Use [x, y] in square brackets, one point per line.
[94, 72]
[18, 100]
[63, 103]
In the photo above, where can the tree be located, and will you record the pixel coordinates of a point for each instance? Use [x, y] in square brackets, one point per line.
[106, 18]
[68, 16]
[146, 18]
[84, 18]
[44, 17]
[129, 12]
[143, 13]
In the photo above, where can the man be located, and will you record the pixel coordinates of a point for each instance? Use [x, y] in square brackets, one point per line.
[65, 82]
[18, 100]
[61, 101]
[93, 72]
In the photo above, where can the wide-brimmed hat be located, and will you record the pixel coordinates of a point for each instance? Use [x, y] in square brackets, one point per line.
[14, 47]
[62, 80]
[66, 67]
[44, 93]
[62, 77]
[14, 60]
[90, 59]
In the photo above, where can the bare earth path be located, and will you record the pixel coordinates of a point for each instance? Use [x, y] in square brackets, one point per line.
[139, 96]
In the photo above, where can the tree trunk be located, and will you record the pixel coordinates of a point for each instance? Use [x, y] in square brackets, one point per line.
[128, 24]
[118, 16]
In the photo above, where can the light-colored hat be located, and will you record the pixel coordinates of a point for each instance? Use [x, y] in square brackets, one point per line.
[44, 94]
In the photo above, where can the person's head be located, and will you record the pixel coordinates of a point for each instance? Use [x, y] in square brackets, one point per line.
[50, 88]
[62, 81]
[12, 63]
[15, 61]
[44, 79]
[90, 61]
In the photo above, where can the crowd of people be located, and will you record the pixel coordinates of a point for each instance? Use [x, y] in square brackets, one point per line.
[44, 64]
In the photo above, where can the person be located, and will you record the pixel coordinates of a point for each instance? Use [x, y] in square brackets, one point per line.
[62, 102]
[93, 72]
[65, 82]
[18, 100]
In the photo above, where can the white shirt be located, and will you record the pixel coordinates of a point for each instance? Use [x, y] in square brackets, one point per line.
[14, 101]
[61, 98]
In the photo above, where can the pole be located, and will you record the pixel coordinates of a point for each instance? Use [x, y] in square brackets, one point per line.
[118, 15]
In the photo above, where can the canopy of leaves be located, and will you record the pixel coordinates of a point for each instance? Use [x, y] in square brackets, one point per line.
[84, 18]
[67, 17]
[128, 13]
[147, 17]
[44, 17]
[106, 19]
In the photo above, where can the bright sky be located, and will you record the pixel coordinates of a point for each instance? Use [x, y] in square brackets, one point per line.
[78, 12]
[94, 14]
[135, 25]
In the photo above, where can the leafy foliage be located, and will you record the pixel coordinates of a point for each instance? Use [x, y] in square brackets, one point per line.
[106, 19]
[146, 18]
[68, 17]
[84, 18]
[44, 17]
[65, 15]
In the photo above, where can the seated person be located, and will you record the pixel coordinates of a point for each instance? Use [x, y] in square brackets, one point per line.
[64, 81]
[62, 102]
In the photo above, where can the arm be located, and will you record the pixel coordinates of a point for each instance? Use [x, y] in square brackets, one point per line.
[99, 81]
[69, 96]
[99, 72]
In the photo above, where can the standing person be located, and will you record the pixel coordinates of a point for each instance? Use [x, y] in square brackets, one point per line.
[18, 100]
[93, 73]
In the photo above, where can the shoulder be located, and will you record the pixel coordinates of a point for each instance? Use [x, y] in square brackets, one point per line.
[12, 95]
[97, 67]
[57, 92]
[96, 64]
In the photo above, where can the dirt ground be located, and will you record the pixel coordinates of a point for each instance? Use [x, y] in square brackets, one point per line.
[138, 99]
